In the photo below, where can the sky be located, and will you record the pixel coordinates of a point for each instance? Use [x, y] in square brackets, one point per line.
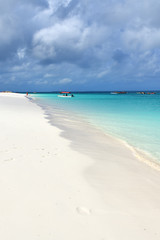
[79, 45]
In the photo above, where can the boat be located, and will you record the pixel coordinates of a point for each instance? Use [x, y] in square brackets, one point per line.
[151, 93]
[66, 94]
[122, 92]
[118, 92]
[141, 93]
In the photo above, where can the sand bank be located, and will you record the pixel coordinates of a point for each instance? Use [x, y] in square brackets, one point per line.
[51, 190]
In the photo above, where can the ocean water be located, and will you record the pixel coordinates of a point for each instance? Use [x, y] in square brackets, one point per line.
[132, 117]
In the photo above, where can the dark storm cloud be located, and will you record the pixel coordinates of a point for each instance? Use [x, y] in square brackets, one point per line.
[119, 56]
[17, 25]
[95, 39]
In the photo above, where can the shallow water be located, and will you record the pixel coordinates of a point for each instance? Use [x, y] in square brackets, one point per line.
[131, 117]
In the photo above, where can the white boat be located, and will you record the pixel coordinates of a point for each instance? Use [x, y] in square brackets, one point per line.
[66, 94]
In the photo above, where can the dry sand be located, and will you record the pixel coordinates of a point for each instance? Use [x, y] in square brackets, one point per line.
[50, 191]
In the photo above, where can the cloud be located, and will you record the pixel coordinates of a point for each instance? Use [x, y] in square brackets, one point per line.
[84, 40]
[142, 39]
[62, 81]
[48, 75]
[119, 56]
[40, 82]
[21, 53]
[65, 80]
[104, 73]
[69, 40]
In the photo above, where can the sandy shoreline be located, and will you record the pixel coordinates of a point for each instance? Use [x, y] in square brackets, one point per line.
[79, 131]
[52, 191]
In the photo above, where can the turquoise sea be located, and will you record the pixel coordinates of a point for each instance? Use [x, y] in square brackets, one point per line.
[132, 117]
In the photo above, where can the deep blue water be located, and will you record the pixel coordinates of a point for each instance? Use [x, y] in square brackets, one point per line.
[132, 117]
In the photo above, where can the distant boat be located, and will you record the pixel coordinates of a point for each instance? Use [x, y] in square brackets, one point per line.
[151, 93]
[118, 92]
[122, 92]
[146, 93]
[66, 94]
[141, 93]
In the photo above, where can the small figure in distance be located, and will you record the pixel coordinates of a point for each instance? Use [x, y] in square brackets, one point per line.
[26, 94]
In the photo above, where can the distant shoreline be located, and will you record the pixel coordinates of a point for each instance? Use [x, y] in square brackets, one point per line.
[74, 91]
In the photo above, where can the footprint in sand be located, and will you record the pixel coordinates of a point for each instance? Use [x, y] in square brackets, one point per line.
[9, 159]
[83, 210]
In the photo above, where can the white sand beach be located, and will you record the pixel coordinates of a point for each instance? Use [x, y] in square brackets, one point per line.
[51, 191]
